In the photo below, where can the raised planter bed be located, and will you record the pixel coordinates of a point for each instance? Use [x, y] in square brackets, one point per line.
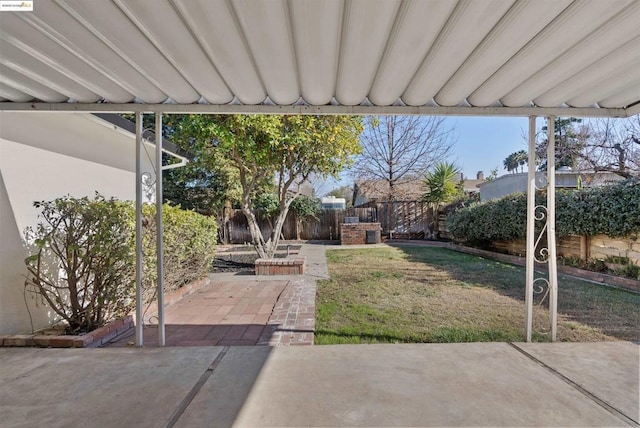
[290, 265]
[92, 339]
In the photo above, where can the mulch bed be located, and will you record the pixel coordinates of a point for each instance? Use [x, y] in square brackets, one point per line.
[242, 258]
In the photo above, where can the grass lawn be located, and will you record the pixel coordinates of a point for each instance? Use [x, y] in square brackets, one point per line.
[430, 294]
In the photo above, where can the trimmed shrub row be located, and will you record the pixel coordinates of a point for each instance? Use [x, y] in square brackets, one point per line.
[611, 210]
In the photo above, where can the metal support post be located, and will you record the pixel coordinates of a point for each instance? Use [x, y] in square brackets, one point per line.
[139, 319]
[551, 227]
[531, 221]
[159, 231]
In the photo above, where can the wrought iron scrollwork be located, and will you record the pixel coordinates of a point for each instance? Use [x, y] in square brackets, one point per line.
[148, 185]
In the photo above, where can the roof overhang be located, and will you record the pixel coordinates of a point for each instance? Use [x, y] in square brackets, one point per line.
[427, 57]
[130, 128]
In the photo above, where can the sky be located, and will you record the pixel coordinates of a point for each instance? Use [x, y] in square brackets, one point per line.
[482, 144]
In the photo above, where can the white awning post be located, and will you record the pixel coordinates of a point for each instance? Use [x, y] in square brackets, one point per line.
[139, 320]
[551, 227]
[531, 222]
[159, 231]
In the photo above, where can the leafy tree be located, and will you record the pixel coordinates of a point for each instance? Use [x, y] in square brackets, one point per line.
[203, 185]
[493, 174]
[305, 208]
[402, 148]
[287, 149]
[568, 144]
[612, 145]
[442, 186]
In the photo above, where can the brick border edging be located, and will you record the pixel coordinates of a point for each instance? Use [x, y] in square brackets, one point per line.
[92, 339]
[292, 321]
[601, 278]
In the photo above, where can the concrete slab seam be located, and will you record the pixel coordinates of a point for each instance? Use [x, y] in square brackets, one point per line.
[184, 404]
[602, 403]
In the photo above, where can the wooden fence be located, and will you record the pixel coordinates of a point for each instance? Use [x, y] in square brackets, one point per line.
[401, 217]
[325, 227]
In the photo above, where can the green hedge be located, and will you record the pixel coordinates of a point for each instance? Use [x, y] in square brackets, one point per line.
[611, 210]
[189, 247]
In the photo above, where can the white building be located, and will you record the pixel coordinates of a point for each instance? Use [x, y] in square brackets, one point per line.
[565, 179]
[45, 156]
[333, 203]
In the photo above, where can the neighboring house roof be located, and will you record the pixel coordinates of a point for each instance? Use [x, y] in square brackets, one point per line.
[378, 190]
[304, 190]
[471, 186]
[511, 183]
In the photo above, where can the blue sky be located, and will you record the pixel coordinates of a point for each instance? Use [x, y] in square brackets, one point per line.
[484, 142]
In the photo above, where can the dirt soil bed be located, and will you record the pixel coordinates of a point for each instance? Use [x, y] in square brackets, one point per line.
[242, 258]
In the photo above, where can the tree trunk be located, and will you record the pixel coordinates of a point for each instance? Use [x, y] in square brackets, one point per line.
[272, 244]
[256, 234]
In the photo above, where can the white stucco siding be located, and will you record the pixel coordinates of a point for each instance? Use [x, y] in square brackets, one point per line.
[43, 157]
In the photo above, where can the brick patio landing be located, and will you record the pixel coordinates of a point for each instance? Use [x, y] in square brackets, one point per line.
[219, 314]
[238, 311]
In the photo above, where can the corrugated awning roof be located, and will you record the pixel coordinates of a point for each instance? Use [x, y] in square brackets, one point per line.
[494, 57]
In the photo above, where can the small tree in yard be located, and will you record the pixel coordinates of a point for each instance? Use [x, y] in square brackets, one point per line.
[442, 187]
[287, 149]
[81, 267]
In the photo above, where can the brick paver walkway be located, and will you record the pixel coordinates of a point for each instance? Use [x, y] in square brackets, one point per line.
[293, 319]
[232, 313]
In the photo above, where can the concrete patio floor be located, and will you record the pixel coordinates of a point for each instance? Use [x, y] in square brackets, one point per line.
[476, 384]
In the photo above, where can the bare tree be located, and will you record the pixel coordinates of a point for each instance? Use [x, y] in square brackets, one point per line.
[402, 148]
[611, 145]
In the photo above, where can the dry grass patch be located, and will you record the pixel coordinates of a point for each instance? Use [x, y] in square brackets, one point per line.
[428, 294]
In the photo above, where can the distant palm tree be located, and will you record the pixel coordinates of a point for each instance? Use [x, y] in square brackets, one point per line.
[522, 157]
[515, 160]
[510, 163]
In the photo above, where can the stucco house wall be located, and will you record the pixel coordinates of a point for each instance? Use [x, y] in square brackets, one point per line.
[44, 156]
[512, 183]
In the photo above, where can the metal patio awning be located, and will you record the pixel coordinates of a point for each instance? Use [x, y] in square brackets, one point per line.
[476, 57]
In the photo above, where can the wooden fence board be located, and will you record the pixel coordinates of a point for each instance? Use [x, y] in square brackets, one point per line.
[410, 217]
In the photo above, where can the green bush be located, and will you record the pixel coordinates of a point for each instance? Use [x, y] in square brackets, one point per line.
[83, 264]
[189, 247]
[611, 210]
